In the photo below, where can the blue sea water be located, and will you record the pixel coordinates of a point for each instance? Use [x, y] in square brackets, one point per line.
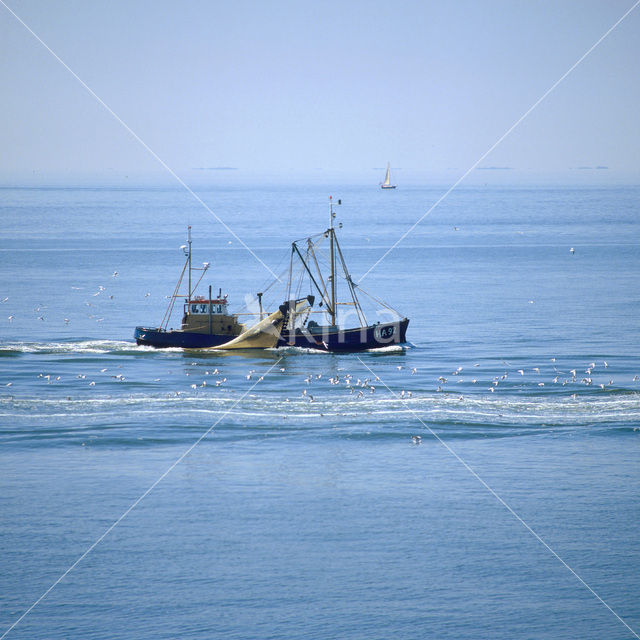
[305, 508]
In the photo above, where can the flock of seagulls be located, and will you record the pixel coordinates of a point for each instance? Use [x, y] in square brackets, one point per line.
[102, 290]
[358, 388]
[364, 387]
[558, 377]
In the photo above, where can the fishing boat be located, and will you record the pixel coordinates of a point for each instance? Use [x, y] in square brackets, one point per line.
[302, 330]
[387, 179]
[206, 321]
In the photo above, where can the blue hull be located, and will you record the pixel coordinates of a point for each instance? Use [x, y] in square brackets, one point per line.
[324, 338]
[333, 339]
[181, 339]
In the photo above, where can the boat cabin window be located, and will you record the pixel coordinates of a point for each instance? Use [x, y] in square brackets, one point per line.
[203, 308]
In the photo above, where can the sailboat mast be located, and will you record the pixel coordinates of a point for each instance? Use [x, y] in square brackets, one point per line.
[332, 259]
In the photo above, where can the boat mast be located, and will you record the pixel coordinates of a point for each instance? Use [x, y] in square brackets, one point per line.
[332, 258]
[189, 261]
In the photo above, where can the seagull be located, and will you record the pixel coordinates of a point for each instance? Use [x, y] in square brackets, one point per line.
[10, 318]
[416, 439]
[572, 251]
[521, 372]
[5, 299]
[114, 274]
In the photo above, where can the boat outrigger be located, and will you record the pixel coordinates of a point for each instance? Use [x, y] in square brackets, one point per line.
[301, 331]
[207, 323]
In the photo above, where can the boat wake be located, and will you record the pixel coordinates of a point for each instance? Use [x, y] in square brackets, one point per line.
[177, 415]
[77, 346]
[392, 348]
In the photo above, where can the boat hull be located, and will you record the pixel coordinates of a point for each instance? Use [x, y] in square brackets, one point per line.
[358, 339]
[178, 339]
[323, 338]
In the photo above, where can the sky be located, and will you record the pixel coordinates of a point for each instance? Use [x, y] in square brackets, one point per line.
[295, 87]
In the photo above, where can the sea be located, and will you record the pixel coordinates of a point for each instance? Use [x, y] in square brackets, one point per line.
[481, 481]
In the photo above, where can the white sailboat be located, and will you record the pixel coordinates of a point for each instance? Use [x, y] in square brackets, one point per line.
[387, 179]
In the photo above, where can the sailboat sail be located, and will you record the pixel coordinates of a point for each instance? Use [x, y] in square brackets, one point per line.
[387, 179]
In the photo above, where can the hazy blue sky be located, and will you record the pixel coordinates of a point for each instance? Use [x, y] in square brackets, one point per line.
[337, 85]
